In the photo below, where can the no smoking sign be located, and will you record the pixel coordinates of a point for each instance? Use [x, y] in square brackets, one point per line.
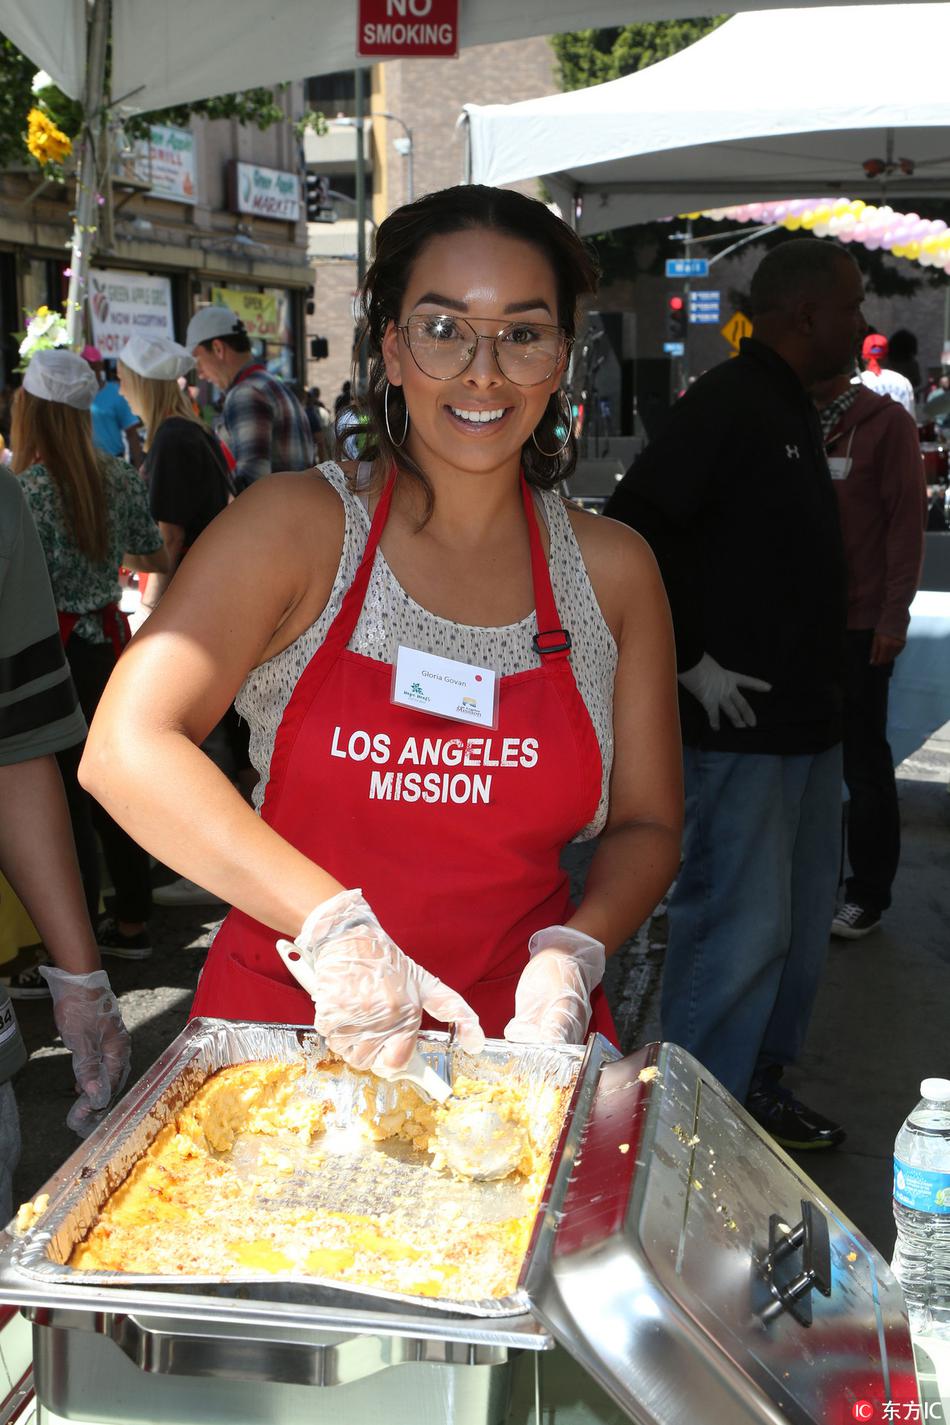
[407, 29]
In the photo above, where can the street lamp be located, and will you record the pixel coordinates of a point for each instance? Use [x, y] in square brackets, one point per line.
[403, 146]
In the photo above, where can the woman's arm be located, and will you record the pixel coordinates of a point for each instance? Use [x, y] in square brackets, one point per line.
[176, 679]
[36, 852]
[174, 537]
[639, 849]
[154, 563]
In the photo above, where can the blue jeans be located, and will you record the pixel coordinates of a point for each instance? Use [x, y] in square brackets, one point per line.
[750, 915]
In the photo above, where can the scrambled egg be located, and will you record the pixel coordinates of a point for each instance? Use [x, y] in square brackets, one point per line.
[188, 1206]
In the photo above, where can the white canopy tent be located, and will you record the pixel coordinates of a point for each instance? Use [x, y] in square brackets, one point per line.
[773, 104]
[173, 51]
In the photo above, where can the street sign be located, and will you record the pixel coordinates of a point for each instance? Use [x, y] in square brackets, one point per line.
[687, 267]
[704, 306]
[408, 29]
[674, 348]
[736, 328]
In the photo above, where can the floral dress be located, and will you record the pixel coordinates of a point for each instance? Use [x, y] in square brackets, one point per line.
[82, 585]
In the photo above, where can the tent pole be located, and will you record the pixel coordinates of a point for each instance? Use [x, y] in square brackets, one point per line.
[85, 221]
[359, 127]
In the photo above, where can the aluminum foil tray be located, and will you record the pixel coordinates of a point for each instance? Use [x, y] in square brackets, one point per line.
[83, 1185]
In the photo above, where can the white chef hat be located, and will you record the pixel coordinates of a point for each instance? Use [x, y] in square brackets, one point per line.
[56, 374]
[156, 357]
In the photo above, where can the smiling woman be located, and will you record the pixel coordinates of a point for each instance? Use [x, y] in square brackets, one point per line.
[433, 609]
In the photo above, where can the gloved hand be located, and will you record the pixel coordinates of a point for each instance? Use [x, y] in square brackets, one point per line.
[717, 687]
[90, 1024]
[368, 996]
[552, 1001]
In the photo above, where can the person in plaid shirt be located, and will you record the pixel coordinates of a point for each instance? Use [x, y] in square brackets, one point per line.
[267, 428]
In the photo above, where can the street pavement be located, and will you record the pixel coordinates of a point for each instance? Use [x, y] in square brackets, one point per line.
[881, 1023]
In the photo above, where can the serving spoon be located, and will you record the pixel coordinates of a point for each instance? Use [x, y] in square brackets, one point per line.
[472, 1136]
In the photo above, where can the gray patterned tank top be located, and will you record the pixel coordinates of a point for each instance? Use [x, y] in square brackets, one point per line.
[390, 618]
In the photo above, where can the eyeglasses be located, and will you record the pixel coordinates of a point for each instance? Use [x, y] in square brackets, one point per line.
[444, 346]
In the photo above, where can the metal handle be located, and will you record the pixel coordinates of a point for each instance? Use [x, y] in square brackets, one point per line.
[790, 1290]
[314, 1358]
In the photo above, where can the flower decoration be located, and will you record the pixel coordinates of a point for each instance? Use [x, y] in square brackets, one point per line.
[44, 329]
[46, 142]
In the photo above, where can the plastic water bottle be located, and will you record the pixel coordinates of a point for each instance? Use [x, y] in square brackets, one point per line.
[922, 1210]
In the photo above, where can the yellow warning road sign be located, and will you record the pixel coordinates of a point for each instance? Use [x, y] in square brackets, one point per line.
[736, 328]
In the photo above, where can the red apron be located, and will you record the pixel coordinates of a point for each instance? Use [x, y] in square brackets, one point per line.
[454, 838]
[115, 625]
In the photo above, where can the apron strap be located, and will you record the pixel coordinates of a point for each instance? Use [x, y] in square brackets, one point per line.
[341, 630]
[551, 642]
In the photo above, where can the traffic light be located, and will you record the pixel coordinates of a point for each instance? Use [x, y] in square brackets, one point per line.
[317, 196]
[319, 348]
[676, 318]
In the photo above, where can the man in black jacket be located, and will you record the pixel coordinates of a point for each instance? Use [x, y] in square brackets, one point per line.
[735, 497]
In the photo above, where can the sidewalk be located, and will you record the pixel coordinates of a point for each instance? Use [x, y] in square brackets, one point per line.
[882, 1022]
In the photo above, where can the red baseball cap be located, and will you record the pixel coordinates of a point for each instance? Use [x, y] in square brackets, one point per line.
[874, 345]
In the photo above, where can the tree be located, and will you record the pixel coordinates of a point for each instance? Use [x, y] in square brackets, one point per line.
[252, 106]
[586, 57]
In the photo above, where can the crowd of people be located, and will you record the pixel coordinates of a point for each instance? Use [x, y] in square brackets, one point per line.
[740, 635]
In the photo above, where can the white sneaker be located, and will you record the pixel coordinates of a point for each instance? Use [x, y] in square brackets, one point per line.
[184, 892]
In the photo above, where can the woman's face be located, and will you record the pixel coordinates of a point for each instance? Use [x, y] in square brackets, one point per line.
[489, 280]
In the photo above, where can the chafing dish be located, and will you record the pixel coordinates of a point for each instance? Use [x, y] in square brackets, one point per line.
[679, 1255]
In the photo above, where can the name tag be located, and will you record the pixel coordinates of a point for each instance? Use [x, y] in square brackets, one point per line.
[840, 466]
[445, 688]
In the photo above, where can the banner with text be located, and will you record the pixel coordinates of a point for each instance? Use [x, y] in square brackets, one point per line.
[257, 310]
[265, 192]
[408, 29]
[163, 164]
[123, 304]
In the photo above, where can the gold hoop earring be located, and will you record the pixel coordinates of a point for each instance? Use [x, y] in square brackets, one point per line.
[567, 420]
[396, 444]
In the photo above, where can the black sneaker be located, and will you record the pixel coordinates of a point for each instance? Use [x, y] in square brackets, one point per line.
[853, 921]
[27, 984]
[111, 941]
[790, 1122]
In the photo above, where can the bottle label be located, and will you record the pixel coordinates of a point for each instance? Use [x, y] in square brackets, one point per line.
[922, 1189]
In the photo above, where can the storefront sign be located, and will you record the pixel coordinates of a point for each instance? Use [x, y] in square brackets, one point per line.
[162, 165]
[408, 29]
[265, 192]
[257, 310]
[127, 303]
[172, 163]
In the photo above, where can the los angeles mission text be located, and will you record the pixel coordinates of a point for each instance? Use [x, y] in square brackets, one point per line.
[401, 781]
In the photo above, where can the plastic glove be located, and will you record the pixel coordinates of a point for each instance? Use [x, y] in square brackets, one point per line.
[717, 687]
[90, 1024]
[371, 996]
[552, 1001]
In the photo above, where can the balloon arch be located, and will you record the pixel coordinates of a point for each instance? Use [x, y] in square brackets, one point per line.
[908, 235]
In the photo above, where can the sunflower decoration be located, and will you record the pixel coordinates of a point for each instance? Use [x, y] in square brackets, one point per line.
[46, 142]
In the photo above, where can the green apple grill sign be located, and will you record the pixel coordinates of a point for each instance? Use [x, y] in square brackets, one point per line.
[264, 192]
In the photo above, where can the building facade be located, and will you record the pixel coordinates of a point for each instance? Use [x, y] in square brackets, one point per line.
[213, 212]
[421, 138]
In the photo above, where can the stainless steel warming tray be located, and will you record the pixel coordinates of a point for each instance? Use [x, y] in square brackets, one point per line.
[355, 1177]
[679, 1255]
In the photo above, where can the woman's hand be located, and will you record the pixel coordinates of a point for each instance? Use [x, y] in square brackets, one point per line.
[368, 996]
[90, 1024]
[552, 1001]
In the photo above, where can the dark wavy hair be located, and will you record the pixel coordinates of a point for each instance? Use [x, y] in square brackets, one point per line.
[400, 241]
